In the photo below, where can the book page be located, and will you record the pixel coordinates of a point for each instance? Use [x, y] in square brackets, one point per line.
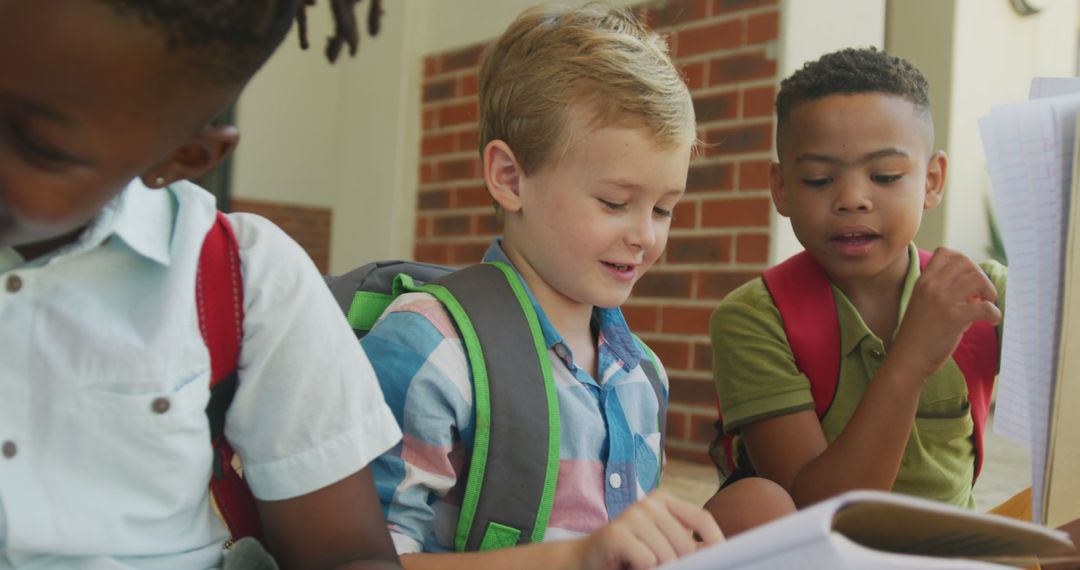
[1061, 500]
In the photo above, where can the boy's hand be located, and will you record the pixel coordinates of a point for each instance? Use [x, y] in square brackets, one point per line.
[951, 294]
[653, 531]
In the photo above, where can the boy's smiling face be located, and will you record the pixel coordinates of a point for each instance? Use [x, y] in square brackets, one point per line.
[585, 228]
[855, 174]
[87, 102]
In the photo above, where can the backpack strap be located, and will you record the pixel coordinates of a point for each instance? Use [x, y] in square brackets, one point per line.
[653, 375]
[516, 407]
[977, 358]
[803, 294]
[219, 296]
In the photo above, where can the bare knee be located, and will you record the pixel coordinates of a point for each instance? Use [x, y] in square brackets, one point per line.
[748, 503]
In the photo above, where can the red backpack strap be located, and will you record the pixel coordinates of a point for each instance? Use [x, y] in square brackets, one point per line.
[803, 295]
[977, 358]
[219, 295]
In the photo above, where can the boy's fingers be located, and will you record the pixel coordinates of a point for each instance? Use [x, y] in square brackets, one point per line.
[982, 311]
[635, 553]
[676, 534]
[695, 519]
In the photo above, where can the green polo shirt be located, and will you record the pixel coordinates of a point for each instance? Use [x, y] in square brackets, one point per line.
[756, 379]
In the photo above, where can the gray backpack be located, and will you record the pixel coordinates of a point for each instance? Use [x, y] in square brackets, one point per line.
[511, 375]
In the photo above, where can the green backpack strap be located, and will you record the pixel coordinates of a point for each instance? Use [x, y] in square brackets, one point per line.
[648, 365]
[515, 458]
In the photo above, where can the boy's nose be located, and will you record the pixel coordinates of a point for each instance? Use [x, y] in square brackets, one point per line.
[642, 233]
[851, 198]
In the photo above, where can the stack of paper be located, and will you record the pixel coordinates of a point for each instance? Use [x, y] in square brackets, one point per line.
[1030, 149]
[872, 529]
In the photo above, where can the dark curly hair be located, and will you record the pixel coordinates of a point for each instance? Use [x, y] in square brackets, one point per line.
[853, 71]
[224, 41]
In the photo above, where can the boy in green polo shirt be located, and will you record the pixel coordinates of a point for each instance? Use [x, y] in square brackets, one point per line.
[856, 171]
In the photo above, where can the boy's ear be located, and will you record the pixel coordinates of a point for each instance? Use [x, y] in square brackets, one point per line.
[776, 188]
[503, 174]
[196, 157]
[935, 179]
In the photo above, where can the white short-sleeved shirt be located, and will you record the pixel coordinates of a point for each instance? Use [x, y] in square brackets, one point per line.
[91, 473]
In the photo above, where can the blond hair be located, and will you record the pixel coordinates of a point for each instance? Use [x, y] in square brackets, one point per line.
[553, 58]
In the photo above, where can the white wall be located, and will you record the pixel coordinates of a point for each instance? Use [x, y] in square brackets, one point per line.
[808, 30]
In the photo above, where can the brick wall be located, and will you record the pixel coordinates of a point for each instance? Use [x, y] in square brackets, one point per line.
[309, 226]
[720, 235]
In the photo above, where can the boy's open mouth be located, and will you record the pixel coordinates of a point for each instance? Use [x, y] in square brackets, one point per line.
[854, 238]
[618, 266]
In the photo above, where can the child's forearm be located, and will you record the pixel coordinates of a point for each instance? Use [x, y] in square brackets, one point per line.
[563, 554]
[868, 451]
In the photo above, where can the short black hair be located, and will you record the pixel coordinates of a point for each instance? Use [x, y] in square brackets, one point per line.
[223, 41]
[853, 71]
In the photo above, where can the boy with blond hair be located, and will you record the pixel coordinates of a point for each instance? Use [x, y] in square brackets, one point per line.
[913, 349]
[586, 135]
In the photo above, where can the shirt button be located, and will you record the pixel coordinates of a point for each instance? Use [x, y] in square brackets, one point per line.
[160, 405]
[877, 354]
[560, 350]
[14, 284]
[615, 480]
[9, 449]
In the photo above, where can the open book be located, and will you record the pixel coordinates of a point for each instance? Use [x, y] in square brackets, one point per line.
[1031, 154]
[872, 529]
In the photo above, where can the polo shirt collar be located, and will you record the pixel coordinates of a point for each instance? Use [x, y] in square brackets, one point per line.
[852, 327]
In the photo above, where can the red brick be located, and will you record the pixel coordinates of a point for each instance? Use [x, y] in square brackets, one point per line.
[467, 85]
[675, 12]
[741, 67]
[663, 284]
[716, 107]
[754, 174]
[433, 200]
[758, 102]
[423, 226]
[432, 145]
[752, 248]
[703, 427]
[694, 75]
[739, 140]
[470, 197]
[458, 225]
[468, 141]
[459, 114]
[685, 214]
[737, 213]
[642, 318]
[699, 249]
[677, 424]
[702, 359]
[725, 6]
[438, 91]
[763, 27]
[427, 173]
[467, 253]
[431, 65]
[714, 37]
[462, 58]
[460, 169]
[430, 120]
[674, 354]
[487, 225]
[716, 285]
[685, 320]
[693, 391]
[432, 253]
[710, 177]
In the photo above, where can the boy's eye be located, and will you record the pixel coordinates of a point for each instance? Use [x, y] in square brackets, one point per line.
[36, 150]
[613, 206]
[816, 182]
[663, 213]
[885, 178]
